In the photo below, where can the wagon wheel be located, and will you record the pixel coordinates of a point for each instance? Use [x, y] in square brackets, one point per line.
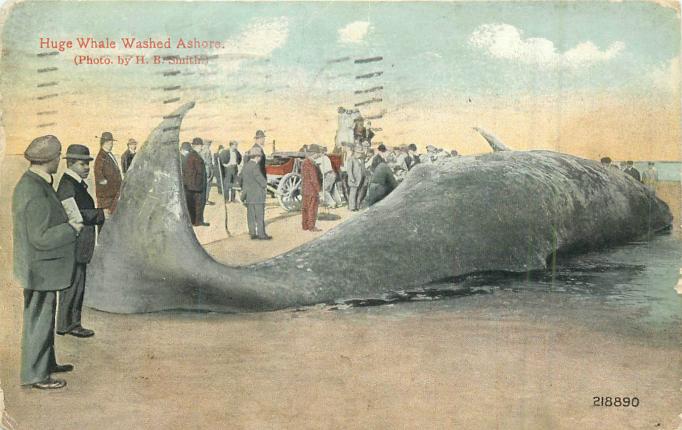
[289, 192]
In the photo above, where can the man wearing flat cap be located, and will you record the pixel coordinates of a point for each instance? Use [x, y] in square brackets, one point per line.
[72, 186]
[128, 155]
[253, 195]
[194, 181]
[44, 259]
[107, 175]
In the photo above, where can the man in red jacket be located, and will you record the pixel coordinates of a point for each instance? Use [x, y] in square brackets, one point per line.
[310, 188]
[107, 175]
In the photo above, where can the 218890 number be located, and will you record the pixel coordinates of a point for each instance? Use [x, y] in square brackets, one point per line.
[615, 401]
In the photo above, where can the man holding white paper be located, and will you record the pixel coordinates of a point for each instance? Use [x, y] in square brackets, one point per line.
[80, 207]
[44, 259]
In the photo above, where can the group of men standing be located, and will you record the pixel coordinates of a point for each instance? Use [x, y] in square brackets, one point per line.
[232, 171]
[365, 179]
[54, 240]
[649, 177]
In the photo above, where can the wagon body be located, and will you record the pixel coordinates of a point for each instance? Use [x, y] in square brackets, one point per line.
[283, 171]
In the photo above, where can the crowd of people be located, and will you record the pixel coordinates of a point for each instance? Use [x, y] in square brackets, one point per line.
[232, 172]
[648, 177]
[54, 231]
[362, 176]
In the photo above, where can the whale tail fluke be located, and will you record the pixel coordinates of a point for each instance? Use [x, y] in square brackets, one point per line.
[495, 143]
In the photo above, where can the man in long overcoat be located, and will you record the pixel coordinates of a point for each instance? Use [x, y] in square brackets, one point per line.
[72, 185]
[107, 175]
[253, 195]
[44, 258]
[259, 146]
[194, 181]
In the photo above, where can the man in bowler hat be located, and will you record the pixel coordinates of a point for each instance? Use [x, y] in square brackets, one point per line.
[194, 181]
[107, 175]
[259, 146]
[72, 185]
[44, 259]
[253, 194]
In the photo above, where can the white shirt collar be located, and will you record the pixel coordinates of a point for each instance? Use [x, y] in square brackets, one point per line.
[46, 177]
[73, 174]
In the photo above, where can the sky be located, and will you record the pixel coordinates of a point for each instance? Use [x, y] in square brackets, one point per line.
[589, 78]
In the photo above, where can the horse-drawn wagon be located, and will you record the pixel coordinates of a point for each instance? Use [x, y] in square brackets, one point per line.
[284, 177]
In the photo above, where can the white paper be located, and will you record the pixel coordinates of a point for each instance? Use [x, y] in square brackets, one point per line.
[72, 210]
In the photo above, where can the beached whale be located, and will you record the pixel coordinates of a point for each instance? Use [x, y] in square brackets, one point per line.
[503, 211]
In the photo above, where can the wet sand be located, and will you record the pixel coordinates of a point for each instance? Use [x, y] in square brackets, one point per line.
[477, 362]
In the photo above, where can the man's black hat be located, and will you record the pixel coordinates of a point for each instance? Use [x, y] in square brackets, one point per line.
[78, 152]
[106, 137]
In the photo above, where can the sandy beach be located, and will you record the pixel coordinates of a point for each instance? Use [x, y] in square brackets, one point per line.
[504, 360]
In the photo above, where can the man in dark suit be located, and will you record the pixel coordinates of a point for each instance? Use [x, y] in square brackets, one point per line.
[44, 259]
[72, 185]
[630, 170]
[107, 175]
[230, 159]
[194, 181]
[253, 195]
[128, 155]
[259, 146]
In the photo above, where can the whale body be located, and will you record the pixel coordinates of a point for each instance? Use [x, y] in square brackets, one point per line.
[507, 211]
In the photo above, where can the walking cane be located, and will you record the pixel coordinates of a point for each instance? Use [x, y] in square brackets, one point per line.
[222, 187]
